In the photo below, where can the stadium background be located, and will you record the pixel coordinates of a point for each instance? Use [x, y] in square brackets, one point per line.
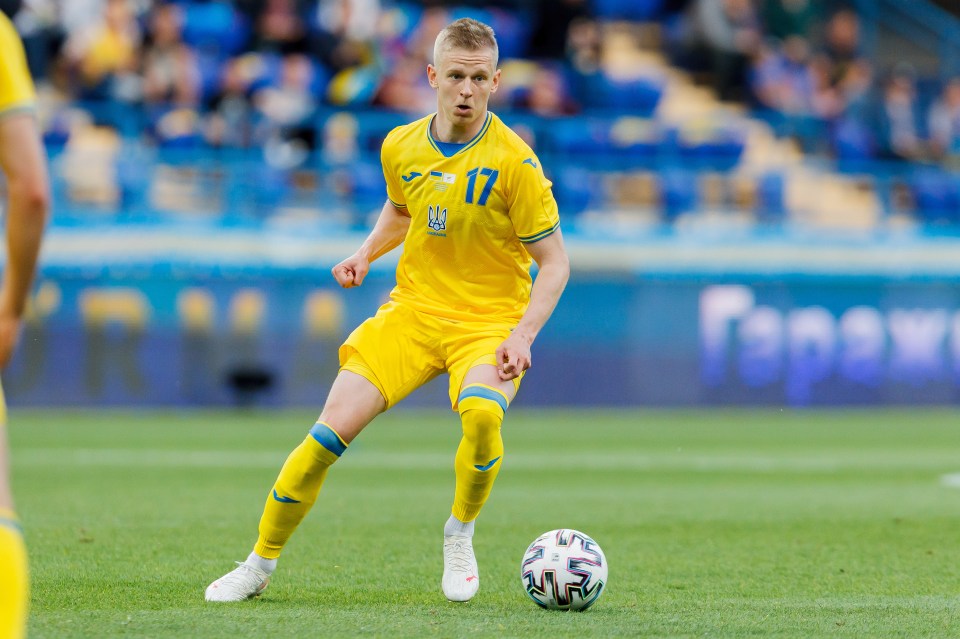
[759, 198]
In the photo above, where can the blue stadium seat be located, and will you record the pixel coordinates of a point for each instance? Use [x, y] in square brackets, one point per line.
[576, 189]
[853, 141]
[719, 148]
[636, 97]
[584, 138]
[628, 9]
[641, 141]
[678, 192]
[771, 197]
[936, 194]
[214, 26]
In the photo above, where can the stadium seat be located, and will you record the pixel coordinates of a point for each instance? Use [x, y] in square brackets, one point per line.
[936, 194]
[214, 27]
[678, 192]
[771, 205]
[638, 96]
[576, 189]
[584, 138]
[714, 147]
[627, 9]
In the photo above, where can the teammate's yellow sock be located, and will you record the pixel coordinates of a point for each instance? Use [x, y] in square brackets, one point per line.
[14, 580]
[296, 488]
[480, 453]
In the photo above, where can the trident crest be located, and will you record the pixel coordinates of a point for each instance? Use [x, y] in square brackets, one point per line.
[437, 218]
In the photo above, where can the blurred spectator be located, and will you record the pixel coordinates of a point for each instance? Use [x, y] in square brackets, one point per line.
[280, 28]
[553, 19]
[842, 44]
[547, 94]
[347, 30]
[290, 102]
[584, 45]
[170, 71]
[229, 122]
[786, 18]
[106, 53]
[781, 78]
[899, 118]
[944, 122]
[405, 87]
[727, 32]
[38, 22]
[287, 109]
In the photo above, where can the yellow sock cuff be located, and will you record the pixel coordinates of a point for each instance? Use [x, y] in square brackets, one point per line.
[483, 397]
[8, 519]
[328, 439]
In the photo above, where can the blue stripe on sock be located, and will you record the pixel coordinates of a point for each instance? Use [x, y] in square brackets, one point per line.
[327, 438]
[485, 393]
[12, 524]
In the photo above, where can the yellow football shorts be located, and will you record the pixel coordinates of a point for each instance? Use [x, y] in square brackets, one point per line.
[401, 349]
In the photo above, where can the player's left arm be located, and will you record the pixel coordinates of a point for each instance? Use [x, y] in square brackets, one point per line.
[23, 160]
[513, 355]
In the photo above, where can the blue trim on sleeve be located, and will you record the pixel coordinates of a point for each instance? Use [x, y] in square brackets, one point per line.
[484, 393]
[530, 239]
[327, 438]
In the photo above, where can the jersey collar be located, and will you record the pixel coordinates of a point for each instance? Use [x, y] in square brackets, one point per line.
[469, 145]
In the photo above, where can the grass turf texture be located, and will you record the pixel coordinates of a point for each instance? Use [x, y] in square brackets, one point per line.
[733, 524]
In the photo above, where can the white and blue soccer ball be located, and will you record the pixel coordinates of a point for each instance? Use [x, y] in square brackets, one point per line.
[564, 569]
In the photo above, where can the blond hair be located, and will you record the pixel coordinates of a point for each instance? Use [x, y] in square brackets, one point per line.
[469, 34]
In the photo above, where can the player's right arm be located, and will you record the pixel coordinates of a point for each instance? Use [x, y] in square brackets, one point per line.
[391, 227]
[23, 162]
[387, 234]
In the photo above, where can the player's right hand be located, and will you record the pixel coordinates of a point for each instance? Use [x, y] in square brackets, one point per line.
[351, 271]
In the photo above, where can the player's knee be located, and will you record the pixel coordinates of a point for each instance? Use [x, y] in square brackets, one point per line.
[481, 412]
[327, 442]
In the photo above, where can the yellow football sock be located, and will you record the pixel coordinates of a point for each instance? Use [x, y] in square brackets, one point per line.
[480, 452]
[296, 488]
[14, 580]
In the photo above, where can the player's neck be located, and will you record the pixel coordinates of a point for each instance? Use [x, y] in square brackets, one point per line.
[445, 131]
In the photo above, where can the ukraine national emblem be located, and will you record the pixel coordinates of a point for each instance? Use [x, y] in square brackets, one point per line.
[437, 218]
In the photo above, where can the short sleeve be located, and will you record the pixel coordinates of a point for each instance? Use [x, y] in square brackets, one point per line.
[533, 209]
[16, 87]
[388, 157]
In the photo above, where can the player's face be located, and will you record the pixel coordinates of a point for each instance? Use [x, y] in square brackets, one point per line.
[464, 80]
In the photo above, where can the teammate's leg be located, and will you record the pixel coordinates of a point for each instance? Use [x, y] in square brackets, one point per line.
[14, 581]
[482, 403]
[353, 402]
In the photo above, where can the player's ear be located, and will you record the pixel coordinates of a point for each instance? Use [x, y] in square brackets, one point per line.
[432, 76]
[495, 81]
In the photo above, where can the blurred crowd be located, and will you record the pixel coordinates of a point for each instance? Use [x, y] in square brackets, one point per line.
[805, 61]
[224, 71]
[234, 73]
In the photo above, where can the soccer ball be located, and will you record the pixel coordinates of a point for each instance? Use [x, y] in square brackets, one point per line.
[564, 569]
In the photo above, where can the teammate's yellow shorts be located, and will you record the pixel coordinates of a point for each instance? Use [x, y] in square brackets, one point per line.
[402, 349]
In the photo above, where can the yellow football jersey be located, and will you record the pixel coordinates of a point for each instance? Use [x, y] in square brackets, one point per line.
[16, 87]
[471, 211]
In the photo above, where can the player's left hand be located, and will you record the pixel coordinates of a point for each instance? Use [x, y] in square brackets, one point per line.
[513, 357]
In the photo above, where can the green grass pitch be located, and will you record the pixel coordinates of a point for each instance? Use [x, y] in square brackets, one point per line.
[764, 523]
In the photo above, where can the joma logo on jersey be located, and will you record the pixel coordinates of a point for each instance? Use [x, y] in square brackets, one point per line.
[437, 220]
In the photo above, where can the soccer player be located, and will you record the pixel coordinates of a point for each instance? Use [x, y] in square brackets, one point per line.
[23, 162]
[469, 200]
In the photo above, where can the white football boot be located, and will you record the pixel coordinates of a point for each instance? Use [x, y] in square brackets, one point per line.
[241, 583]
[461, 578]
